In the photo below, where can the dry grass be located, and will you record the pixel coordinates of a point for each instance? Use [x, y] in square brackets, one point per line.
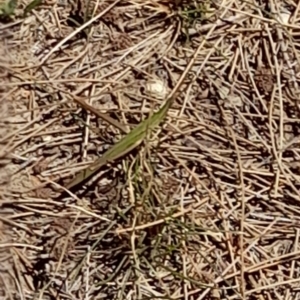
[206, 208]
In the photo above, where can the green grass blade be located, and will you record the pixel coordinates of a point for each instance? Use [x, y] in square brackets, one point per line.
[124, 146]
[32, 5]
